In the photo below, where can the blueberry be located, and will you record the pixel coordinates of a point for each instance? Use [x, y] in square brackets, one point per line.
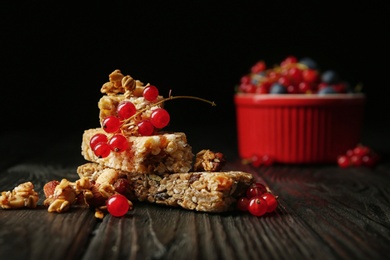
[330, 77]
[309, 62]
[278, 88]
[327, 90]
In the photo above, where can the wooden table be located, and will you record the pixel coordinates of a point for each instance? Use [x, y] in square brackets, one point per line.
[324, 212]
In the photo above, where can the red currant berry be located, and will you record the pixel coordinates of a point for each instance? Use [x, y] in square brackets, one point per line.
[145, 128]
[295, 75]
[310, 75]
[367, 160]
[267, 160]
[284, 80]
[118, 143]
[160, 118]
[256, 161]
[343, 161]
[150, 93]
[247, 88]
[262, 89]
[356, 160]
[361, 150]
[245, 79]
[271, 200]
[257, 206]
[125, 110]
[97, 138]
[101, 150]
[273, 76]
[304, 87]
[117, 205]
[258, 67]
[349, 153]
[243, 203]
[111, 124]
[255, 189]
[370, 160]
[292, 89]
[288, 60]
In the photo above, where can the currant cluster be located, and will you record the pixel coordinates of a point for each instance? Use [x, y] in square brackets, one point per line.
[292, 76]
[360, 155]
[102, 144]
[258, 200]
[127, 115]
[259, 160]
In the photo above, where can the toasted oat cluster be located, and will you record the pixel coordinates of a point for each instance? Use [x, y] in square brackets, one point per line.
[22, 196]
[207, 160]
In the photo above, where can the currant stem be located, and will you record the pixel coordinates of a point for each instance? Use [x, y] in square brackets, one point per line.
[188, 97]
[212, 103]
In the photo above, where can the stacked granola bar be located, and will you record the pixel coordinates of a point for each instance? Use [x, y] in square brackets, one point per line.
[161, 167]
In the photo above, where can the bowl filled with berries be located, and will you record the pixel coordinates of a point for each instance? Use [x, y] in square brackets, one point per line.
[294, 113]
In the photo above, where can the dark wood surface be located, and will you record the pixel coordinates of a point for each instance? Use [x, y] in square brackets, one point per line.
[324, 213]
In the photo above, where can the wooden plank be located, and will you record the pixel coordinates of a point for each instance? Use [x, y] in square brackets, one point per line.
[347, 208]
[35, 233]
[324, 213]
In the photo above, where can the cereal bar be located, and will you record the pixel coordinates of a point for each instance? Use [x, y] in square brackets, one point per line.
[158, 154]
[199, 191]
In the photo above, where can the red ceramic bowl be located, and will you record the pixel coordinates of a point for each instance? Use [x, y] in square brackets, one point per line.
[296, 129]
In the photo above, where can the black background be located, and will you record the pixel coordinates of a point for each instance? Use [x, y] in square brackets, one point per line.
[55, 57]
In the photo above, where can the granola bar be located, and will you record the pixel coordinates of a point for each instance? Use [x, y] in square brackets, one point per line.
[199, 191]
[158, 154]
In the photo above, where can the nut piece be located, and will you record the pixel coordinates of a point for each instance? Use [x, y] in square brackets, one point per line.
[209, 161]
[21, 196]
[114, 86]
[128, 83]
[62, 197]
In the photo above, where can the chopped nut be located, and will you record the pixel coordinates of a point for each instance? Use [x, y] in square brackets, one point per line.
[116, 78]
[59, 205]
[99, 214]
[49, 188]
[114, 86]
[128, 83]
[106, 190]
[63, 196]
[108, 176]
